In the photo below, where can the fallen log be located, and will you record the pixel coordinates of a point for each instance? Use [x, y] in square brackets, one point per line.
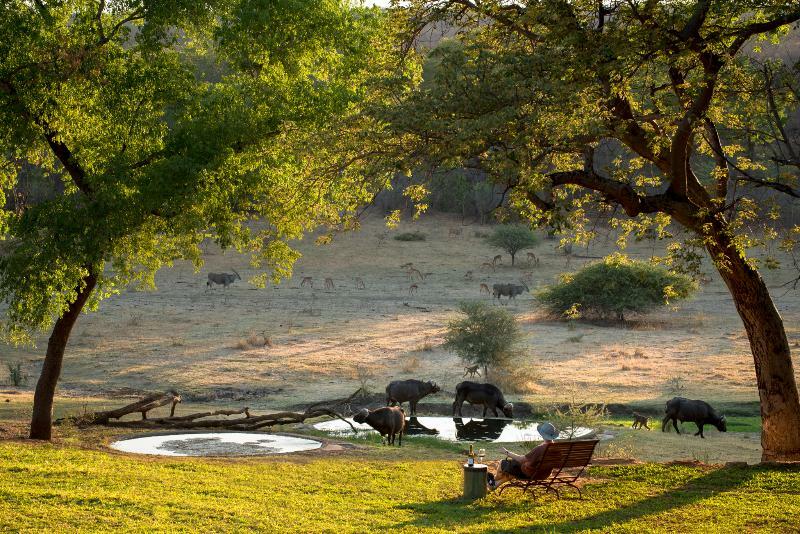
[202, 419]
[142, 406]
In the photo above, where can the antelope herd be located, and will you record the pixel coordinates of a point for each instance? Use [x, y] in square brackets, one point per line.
[416, 277]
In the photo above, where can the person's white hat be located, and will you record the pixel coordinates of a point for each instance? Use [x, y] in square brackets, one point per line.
[547, 431]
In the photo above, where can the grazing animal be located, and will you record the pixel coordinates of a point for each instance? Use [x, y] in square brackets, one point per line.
[307, 281]
[484, 287]
[389, 421]
[414, 272]
[532, 259]
[223, 279]
[360, 283]
[472, 371]
[695, 411]
[412, 289]
[497, 259]
[488, 395]
[454, 232]
[468, 275]
[408, 265]
[410, 391]
[329, 283]
[488, 265]
[640, 421]
[508, 290]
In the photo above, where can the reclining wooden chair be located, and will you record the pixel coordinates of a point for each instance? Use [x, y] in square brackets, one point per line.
[559, 456]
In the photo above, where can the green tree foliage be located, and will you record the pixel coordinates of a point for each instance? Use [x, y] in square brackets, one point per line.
[155, 158]
[512, 238]
[638, 111]
[484, 335]
[615, 286]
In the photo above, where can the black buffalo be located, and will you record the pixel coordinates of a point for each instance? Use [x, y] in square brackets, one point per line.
[486, 394]
[694, 411]
[410, 391]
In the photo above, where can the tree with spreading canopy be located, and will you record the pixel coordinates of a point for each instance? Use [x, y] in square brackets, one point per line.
[169, 122]
[633, 110]
[512, 238]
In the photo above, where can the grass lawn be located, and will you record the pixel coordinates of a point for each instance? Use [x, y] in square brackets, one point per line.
[61, 488]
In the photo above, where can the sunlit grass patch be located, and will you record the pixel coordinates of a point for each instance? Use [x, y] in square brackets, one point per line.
[51, 488]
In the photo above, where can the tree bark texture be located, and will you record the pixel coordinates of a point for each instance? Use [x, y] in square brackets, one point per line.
[775, 376]
[42, 420]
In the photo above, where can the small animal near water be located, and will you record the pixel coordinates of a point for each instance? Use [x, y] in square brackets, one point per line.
[307, 281]
[329, 283]
[222, 279]
[487, 395]
[485, 288]
[640, 421]
[410, 391]
[692, 411]
[389, 421]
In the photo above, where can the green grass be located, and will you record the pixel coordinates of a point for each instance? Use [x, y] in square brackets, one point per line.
[59, 488]
[735, 423]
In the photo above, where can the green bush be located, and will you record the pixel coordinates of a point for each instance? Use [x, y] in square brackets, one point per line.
[411, 236]
[512, 238]
[16, 375]
[485, 335]
[615, 286]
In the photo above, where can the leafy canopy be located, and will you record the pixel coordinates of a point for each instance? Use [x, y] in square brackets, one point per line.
[512, 238]
[169, 122]
[484, 335]
[576, 107]
[615, 286]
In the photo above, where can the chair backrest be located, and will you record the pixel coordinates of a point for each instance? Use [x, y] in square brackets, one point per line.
[564, 454]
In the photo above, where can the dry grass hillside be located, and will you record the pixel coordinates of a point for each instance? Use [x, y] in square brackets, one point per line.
[289, 344]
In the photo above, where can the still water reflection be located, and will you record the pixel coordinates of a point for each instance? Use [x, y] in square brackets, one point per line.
[460, 429]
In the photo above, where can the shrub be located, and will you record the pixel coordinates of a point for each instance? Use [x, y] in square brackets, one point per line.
[512, 238]
[485, 335]
[411, 236]
[614, 286]
[16, 374]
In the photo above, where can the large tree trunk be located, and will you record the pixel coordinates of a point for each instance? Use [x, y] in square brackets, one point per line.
[42, 420]
[777, 387]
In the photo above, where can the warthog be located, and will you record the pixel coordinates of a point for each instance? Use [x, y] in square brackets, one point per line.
[223, 279]
[508, 290]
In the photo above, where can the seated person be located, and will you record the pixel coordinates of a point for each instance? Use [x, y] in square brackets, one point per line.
[525, 466]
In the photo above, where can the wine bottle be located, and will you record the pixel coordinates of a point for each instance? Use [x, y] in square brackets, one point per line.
[471, 457]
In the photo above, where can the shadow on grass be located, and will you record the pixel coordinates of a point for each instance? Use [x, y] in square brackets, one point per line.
[453, 513]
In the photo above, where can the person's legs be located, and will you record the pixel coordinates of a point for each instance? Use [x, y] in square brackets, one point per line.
[512, 467]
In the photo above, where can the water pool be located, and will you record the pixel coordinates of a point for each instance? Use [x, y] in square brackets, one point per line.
[215, 444]
[460, 429]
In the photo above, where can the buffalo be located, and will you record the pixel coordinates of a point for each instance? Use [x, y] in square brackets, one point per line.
[695, 411]
[389, 421]
[411, 391]
[486, 394]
